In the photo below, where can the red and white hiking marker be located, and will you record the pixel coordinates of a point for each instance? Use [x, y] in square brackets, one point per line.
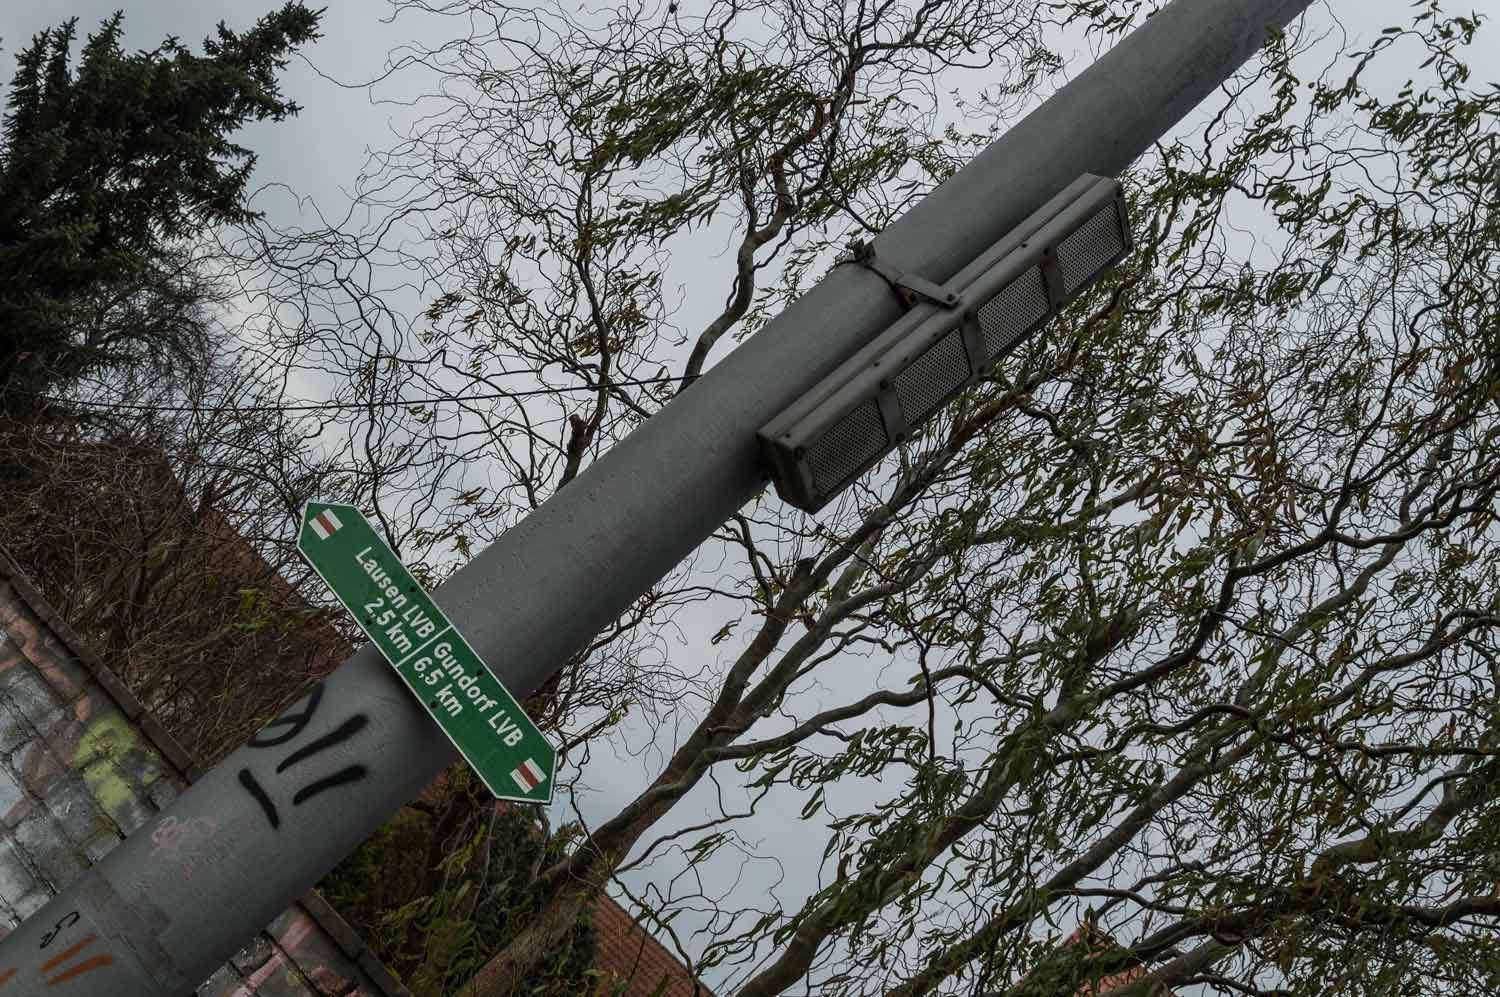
[324, 524]
[528, 775]
[474, 710]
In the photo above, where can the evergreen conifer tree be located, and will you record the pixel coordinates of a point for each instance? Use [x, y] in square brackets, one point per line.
[105, 171]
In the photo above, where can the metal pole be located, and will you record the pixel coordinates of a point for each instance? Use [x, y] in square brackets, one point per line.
[530, 600]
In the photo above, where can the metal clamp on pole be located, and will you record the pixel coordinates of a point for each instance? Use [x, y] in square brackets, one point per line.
[909, 287]
[885, 392]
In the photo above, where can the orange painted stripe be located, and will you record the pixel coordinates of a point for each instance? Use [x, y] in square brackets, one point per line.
[82, 967]
[70, 953]
[7, 974]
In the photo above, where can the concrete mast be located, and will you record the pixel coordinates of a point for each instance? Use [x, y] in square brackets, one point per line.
[530, 600]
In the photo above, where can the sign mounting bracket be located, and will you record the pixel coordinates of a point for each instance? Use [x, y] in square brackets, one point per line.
[911, 288]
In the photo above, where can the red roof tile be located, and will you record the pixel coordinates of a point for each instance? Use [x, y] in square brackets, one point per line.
[1098, 941]
[638, 959]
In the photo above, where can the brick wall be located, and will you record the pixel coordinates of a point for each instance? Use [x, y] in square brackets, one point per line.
[81, 767]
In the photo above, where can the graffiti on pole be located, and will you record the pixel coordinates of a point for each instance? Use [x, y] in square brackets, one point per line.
[296, 721]
[70, 948]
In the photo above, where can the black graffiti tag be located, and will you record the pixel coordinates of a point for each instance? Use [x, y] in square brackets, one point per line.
[68, 920]
[294, 722]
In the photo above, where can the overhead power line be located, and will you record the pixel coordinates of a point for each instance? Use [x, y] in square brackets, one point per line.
[332, 406]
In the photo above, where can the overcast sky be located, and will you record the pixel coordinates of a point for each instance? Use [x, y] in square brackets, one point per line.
[319, 153]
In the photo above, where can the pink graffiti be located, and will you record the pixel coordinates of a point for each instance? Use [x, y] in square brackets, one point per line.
[300, 928]
[285, 954]
[34, 643]
[184, 841]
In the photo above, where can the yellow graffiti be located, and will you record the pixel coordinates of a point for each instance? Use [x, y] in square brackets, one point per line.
[104, 743]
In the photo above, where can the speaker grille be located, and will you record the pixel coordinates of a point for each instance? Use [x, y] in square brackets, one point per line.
[931, 378]
[1082, 255]
[897, 381]
[1008, 316]
[850, 442]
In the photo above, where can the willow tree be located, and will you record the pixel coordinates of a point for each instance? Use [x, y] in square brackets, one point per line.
[1181, 623]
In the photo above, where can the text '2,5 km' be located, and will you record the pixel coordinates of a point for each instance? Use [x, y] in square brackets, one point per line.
[475, 711]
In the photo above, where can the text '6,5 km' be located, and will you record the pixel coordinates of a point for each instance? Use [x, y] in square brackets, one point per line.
[472, 707]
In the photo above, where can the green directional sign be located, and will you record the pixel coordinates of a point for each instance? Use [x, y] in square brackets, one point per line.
[480, 717]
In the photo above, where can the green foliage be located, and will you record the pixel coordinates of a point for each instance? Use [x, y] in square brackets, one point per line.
[435, 927]
[1286, 636]
[1223, 598]
[102, 168]
[380, 875]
